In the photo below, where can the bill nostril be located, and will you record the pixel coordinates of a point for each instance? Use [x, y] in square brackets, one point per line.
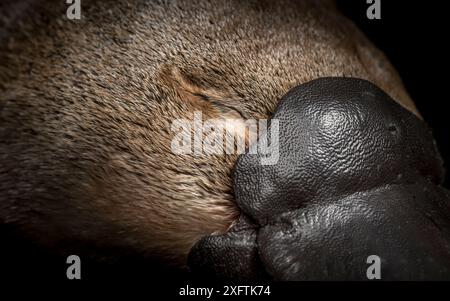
[392, 129]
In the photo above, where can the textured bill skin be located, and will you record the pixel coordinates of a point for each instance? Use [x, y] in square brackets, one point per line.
[357, 175]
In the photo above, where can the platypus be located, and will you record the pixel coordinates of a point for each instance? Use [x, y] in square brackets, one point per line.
[87, 108]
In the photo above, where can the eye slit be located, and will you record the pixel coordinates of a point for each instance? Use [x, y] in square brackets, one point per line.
[228, 104]
[222, 107]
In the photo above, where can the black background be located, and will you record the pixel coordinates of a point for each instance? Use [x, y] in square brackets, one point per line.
[414, 36]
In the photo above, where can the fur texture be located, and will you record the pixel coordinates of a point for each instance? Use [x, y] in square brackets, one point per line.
[86, 108]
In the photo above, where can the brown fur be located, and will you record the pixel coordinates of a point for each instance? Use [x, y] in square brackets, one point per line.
[86, 108]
